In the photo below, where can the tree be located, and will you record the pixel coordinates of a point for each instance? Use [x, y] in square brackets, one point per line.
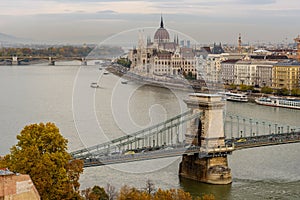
[131, 193]
[97, 193]
[111, 192]
[232, 86]
[172, 194]
[41, 153]
[295, 92]
[74, 169]
[150, 187]
[124, 62]
[127, 193]
[208, 197]
[283, 91]
[266, 90]
[245, 88]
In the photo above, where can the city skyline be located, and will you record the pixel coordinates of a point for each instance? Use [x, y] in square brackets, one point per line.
[91, 21]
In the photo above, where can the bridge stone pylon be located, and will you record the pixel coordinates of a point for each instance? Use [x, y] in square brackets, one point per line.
[83, 61]
[51, 61]
[15, 60]
[210, 165]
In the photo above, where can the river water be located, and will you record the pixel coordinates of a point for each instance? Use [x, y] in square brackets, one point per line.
[88, 116]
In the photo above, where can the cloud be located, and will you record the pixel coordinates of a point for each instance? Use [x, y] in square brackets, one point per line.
[106, 12]
[79, 19]
[255, 2]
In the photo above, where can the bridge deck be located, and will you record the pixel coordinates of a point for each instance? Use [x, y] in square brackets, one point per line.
[164, 152]
[163, 140]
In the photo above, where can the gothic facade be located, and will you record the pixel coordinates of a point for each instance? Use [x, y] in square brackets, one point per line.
[162, 56]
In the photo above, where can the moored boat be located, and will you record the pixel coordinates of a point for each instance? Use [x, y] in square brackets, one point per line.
[229, 96]
[279, 102]
[94, 85]
[123, 81]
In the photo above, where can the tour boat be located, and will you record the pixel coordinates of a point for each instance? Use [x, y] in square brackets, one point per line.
[279, 102]
[124, 81]
[94, 85]
[229, 96]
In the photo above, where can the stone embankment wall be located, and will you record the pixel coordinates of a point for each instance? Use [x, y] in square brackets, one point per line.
[17, 187]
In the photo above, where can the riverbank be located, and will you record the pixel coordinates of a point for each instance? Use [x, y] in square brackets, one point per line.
[173, 82]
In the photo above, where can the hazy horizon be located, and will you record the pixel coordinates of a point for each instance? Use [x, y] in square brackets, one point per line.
[207, 21]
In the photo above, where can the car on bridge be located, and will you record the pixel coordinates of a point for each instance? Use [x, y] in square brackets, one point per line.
[129, 153]
[168, 148]
[241, 140]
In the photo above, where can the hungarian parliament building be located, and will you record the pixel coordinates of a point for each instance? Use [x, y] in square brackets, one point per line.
[163, 56]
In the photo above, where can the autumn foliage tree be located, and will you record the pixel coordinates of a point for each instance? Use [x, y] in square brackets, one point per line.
[41, 152]
[127, 193]
[131, 193]
[95, 193]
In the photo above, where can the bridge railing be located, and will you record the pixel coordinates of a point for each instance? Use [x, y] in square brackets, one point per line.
[170, 133]
[161, 134]
[125, 137]
[240, 126]
[264, 140]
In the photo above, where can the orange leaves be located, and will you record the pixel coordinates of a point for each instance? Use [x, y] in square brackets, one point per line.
[41, 153]
[171, 194]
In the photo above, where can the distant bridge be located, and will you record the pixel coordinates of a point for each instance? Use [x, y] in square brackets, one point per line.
[21, 60]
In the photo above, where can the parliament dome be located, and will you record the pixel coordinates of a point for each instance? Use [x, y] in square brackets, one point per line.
[161, 35]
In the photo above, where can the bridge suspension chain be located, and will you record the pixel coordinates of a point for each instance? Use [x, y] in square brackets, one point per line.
[237, 126]
[157, 135]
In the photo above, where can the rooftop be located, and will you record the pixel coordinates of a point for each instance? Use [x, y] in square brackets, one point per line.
[291, 63]
[5, 171]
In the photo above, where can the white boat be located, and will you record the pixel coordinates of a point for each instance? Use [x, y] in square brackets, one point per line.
[94, 85]
[124, 81]
[229, 96]
[279, 102]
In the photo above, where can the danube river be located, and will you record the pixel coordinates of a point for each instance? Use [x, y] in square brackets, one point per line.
[88, 116]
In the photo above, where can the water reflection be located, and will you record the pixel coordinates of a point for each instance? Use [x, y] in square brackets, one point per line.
[199, 189]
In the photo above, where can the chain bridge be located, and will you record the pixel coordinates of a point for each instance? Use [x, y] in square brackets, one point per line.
[166, 139]
[204, 134]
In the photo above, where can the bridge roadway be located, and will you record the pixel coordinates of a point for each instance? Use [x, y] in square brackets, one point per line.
[181, 149]
[163, 132]
[264, 140]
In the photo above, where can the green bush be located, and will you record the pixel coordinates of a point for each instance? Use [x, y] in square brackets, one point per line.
[266, 90]
[124, 62]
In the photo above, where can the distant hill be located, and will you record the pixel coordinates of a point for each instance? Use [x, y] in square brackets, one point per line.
[7, 38]
[10, 40]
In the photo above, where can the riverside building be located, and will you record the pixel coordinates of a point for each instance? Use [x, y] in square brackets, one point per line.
[286, 75]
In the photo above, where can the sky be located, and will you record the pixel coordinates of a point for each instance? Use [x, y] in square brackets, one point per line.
[207, 21]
